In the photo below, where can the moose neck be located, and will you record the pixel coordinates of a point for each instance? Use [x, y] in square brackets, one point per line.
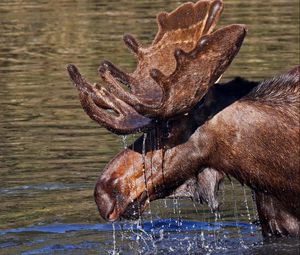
[221, 96]
[234, 132]
[183, 141]
[247, 130]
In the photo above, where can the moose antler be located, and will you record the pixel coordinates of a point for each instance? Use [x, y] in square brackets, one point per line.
[171, 76]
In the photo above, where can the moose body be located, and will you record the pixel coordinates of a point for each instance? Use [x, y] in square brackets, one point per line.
[254, 139]
[244, 129]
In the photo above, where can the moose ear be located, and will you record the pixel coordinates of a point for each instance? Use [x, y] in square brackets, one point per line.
[216, 51]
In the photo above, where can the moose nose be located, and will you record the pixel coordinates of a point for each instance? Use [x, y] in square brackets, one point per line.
[105, 204]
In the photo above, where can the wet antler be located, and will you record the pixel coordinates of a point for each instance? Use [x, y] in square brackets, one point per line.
[172, 75]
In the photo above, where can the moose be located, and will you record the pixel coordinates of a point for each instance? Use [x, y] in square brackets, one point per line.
[192, 124]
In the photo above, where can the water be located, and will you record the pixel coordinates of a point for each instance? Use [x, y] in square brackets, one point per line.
[57, 237]
[51, 153]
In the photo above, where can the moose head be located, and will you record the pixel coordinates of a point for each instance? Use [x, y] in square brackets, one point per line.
[189, 122]
[172, 75]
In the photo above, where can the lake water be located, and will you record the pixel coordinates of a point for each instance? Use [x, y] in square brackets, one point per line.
[51, 153]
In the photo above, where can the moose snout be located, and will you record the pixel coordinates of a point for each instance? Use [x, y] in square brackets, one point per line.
[106, 204]
[113, 191]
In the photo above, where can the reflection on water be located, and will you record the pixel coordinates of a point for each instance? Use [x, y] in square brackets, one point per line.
[51, 153]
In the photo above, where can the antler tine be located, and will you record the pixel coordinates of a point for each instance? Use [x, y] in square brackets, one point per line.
[213, 17]
[131, 43]
[80, 83]
[116, 73]
[180, 57]
[127, 120]
[110, 74]
[206, 12]
[158, 77]
[95, 100]
[83, 86]
[200, 68]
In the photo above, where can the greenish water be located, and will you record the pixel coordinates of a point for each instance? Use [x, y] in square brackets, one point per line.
[51, 153]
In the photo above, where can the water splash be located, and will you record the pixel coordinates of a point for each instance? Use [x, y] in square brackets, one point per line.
[144, 162]
[150, 238]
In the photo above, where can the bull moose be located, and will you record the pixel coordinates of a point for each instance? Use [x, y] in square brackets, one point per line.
[248, 130]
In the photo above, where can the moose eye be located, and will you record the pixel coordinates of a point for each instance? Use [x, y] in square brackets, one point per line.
[167, 135]
[167, 130]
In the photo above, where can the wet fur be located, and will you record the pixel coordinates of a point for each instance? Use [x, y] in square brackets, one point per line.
[244, 129]
[256, 140]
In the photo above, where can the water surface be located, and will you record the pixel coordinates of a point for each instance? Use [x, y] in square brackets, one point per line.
[51, 153]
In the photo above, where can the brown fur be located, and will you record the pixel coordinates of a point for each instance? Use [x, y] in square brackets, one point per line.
[245, 134]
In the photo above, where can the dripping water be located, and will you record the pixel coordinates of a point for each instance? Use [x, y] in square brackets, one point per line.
[125, 145]
[177, 211]
[124, 140]
[165, 202]
[176, 204]
[197, 212]
[216, 231]
[193, 201]
[219, 219]
[144, 174]
[235, 211]
[114, 252]
[248, 211]
[139, 220]
[223, 192]
[146, 189]
[153, 171]
[141, 235]
[254, 209]
[175, 207]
